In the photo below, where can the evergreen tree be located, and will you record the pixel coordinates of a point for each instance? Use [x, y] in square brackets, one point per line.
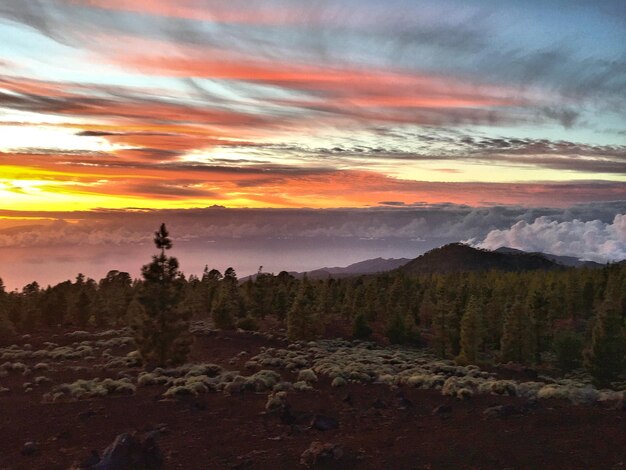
[161, 328]
[302, 319]
[360, 328]
[6, 326]
[228, 307]
[210, 284]
[568, 348]
[472, 333]
[401, 329]
[605, 358]
[443, 328]
[83, 309]
[517, 343]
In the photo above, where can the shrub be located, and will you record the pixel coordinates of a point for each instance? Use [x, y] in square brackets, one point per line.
[276, 401]
[42, 380]
[247, 323]
[338, 382]
[81, 389]
[307, 375]
[302, 386]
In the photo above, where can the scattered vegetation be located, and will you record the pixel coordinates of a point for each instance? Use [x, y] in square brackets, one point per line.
[554, 318]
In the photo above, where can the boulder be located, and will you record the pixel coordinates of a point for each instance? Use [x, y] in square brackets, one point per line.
[321, 454]
[128, 451]
[29, 448]
[324, 423]
[502, 411]
[442, 410]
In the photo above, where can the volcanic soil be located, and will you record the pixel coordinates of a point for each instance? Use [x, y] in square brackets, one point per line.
[379, 427]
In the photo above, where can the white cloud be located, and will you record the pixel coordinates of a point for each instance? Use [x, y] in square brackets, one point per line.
[592, 240]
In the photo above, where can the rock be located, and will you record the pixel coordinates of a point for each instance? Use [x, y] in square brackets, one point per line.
[90, 461]
[320, 454]
[502, 411]
[348, 399]
[379, 404]
[29, 448]
[286, 416]
[403, 402]
[127, 452]
[324, 423]
[86, 414]
[64, 435]
[442, 410]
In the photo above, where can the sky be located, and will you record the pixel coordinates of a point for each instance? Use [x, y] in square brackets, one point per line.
[137, 110]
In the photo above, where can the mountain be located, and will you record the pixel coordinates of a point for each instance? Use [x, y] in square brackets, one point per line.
[458, 257]
[569, 261]
[369, 266]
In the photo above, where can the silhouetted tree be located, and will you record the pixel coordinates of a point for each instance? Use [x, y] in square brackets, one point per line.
[160, 326]
[228, 306]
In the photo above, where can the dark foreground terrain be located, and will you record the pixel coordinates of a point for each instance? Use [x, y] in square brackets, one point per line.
[377, 426]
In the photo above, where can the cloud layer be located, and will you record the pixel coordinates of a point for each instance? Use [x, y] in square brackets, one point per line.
[52, 247]
[591, 240]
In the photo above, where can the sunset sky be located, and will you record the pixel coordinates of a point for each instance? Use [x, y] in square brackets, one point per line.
[118, 106]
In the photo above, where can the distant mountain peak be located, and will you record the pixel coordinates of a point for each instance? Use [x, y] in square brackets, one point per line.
[460, 257]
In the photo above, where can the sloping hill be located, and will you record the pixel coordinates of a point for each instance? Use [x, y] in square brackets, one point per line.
[369, 266]
[458, 257]
[569, 261]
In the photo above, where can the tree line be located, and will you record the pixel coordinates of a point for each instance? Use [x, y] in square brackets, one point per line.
[567, 318]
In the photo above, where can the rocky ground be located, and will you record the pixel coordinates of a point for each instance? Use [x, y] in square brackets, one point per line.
[249, 401]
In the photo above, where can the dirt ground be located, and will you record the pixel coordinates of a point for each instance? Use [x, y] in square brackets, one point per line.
[377, 428]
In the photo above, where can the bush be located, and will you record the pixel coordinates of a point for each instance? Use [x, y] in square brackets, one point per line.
[276, 401]
[338, 382]
[307, 375]
[93, 388]
[248, 324]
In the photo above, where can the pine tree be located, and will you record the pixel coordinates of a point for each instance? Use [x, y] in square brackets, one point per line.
[568, 347]
[6, 327]
[83, 309]
[360, 328]
[517, 343]
[472, 332]
[401, 329]
[228, 306]
[605, 357]
[302, 319]
[443, 328]
[161, 328]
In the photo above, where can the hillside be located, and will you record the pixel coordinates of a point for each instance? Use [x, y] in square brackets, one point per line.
[569, 261]
[369, 266]
[458, 257]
